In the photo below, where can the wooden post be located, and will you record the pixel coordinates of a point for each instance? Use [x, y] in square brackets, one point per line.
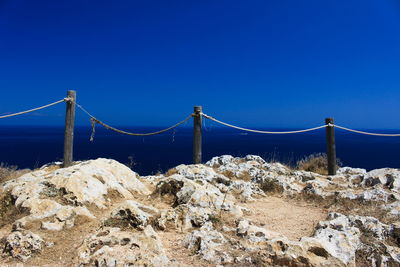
[330, 146]
[197, 135]
[69, 129]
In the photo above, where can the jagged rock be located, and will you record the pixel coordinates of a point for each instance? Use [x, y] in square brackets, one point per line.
[135, 214]
[194, 199]
[339, 241]
[343, 236]
[389, 178]
[201, 172]
[196, 172]
[39, 192]
[351, 171]
[22, 245]
[45, 208]
[197, 193]
[375, 194]
[246, 191]
[86, 182]
[338, 237]
[53, 226]
[283, 252]
[254, 234]
[247, 168]
[185, 217]
[208, 243]
[113, 247]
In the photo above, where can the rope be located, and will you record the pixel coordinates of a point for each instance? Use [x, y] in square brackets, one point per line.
[93, 123]
[34, 109]
[361, 132]
[94, 120]
[262, 132]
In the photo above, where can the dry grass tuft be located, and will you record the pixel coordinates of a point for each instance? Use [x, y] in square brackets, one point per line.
[317, 163]
[8, 211]
[271, 186]
[171, 172]
[7, 171]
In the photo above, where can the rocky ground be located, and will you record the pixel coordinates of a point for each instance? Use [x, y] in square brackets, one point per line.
[227, 212]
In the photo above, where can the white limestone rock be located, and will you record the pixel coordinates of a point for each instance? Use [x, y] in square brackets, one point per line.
[113, 247]
[185, 217]
[198, 193]
[208, 243]
[308, 252]
[341, 236]
[61, 216]
[338, 237]
[196, 172]
[351, 171]
[134, 213]
[53, 226]
[253, 233]
[389, 178]
[23, 245]
[84, 183]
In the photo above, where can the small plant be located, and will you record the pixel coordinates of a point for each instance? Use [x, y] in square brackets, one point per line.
[7, 172]
[171, 172]
[270, 186]
[215, 219]
[131, 162]
[317, 163]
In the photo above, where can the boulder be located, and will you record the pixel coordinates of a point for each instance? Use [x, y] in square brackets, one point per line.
[208, 243]
[198, 193]
[114, 247]
[134, 214]
[23, 245]
[84, 183]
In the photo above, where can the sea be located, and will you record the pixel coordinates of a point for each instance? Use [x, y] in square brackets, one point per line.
[33, 146]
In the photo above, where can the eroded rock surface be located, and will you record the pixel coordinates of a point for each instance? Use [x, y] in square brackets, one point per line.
[23, 245]
[113, 247]
[127, 216]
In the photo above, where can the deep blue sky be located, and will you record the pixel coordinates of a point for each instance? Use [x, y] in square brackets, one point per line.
[254, 63]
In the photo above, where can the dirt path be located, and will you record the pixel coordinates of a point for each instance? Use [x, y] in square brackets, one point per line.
[291, 218]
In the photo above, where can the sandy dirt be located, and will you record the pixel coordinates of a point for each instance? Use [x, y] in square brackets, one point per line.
[293, 219]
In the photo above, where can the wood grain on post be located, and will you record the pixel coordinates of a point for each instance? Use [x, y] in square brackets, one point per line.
[330, 146]
[197, 135]
[69, 129]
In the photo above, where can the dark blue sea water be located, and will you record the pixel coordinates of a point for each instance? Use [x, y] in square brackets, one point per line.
[30, 147]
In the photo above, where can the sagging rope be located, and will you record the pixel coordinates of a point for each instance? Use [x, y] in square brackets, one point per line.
[94, 120]
[362, 132]
[34, 109]
[261, 132]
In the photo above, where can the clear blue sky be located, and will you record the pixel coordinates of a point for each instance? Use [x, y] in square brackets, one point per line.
[255, 63]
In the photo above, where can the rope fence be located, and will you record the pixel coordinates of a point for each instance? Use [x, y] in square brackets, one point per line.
[261, 132]
[34, 109]
[365, 133]
[94, 120]
[197, 116]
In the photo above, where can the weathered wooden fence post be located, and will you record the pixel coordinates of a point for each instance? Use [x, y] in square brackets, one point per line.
[197, 134]
[330, 146]
[69, 129]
